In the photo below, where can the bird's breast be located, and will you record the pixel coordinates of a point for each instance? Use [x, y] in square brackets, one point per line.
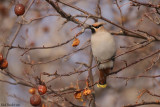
[103, 46]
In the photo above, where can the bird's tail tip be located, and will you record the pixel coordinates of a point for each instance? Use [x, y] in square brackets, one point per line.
[101, 86]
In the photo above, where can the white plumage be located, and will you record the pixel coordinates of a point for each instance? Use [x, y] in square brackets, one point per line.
[103, 47]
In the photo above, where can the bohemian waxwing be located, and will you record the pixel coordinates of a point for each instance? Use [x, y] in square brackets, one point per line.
[103, 49]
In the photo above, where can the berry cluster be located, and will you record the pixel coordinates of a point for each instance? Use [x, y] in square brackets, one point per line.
[35, 99]
[3, 62]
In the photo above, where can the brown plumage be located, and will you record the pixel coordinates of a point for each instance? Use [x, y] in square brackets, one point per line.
[103, 73]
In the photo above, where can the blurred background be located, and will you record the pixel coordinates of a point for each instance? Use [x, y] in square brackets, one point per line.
[52, 29]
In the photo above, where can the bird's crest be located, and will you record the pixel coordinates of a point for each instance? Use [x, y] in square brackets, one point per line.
[98, 24]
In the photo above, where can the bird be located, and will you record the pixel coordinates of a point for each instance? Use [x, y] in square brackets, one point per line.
[103, 48]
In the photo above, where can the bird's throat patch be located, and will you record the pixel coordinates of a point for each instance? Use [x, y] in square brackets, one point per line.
[93, 30]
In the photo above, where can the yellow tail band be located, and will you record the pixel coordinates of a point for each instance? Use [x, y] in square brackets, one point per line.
[101, 86]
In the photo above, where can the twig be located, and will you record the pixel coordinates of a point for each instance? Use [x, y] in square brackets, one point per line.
[38, 63]
[85, 12]
[65, 99]
[91, 79]
[120, 12]
[142, 103]
[135, 62]
[38, 18]
[145, 4]
[18, 28]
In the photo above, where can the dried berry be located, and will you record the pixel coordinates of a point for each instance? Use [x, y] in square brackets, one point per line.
[86, 92]
[35, 100]
[4, 64]
[32, 90]
[75, 42]
[78, 95]
[19, 9]
[42, 89]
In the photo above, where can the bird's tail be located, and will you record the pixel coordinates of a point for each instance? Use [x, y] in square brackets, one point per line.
[103, 78]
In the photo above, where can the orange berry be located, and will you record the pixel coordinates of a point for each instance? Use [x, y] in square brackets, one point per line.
[4, 64]
[86, 92]
[32, 90]
[75, 42]
[42, 89]
[35, 100]
[78, 95]
[19, 9]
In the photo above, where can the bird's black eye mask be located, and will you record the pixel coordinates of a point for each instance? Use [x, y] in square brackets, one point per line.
[97, 26]
[92, 27]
